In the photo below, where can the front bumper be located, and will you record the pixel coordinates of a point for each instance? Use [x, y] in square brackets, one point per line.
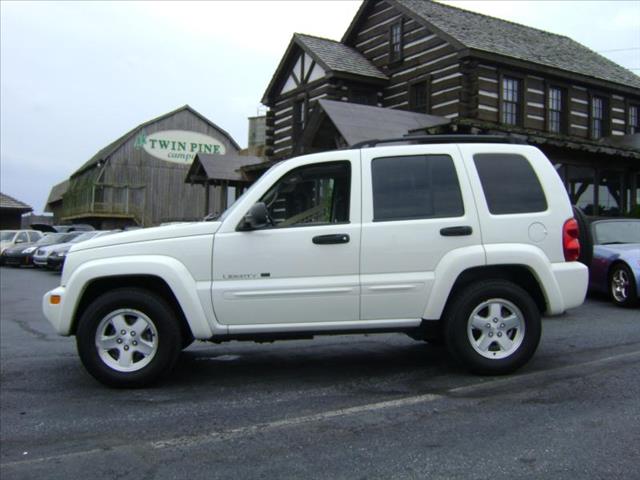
[55, 263]
[54, 311]
[17, 260]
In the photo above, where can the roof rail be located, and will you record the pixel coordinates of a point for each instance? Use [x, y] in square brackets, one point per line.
[426, 139]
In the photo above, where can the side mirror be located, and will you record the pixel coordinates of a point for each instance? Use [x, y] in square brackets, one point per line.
[19, 240]
[256, 217]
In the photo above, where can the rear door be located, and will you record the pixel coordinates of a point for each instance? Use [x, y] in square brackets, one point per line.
[417, 209]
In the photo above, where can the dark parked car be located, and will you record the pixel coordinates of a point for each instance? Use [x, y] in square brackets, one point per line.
[55, 260]
[22, 254]
[615, 267]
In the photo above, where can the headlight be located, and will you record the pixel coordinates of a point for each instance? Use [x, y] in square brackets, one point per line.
[28, 250]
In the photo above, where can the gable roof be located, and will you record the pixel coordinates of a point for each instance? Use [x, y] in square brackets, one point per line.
[107, 151]
[338, 57]
[465, 29]
[57, 191]
[11, 203]
[331, 55]
[219, 168]
[358, 123]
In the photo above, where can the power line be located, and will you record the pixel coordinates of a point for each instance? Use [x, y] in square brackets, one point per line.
[619, 50]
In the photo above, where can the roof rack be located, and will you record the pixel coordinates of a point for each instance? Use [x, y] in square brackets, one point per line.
[426, 139]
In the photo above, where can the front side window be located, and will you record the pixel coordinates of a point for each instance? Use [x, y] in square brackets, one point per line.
[316, 194]
[509, 183]
[634, 122]
[554, 110]
[395, 42]
[415, 187]
[510, 101]
[597, 117]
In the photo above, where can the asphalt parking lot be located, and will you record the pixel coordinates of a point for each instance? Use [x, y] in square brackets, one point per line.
[376, 406]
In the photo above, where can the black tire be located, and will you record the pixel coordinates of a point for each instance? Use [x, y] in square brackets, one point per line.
[584, 236]
[628, 297]
[132, 304]
[478, 300]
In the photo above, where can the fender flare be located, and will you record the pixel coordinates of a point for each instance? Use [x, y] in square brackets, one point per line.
[168, 269]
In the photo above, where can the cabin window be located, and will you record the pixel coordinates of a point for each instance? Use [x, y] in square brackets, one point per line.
[363, 97]
[555, 110]
[395, 42]
[634, 124]
[510, 101]
[597, 117]
[418, 97]
[299, 117]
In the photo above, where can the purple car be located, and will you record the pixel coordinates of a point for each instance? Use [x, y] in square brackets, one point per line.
[615, 268]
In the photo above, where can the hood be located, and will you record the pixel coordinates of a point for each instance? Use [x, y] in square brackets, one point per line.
[621, 248]
[150, 234]
[20, 247]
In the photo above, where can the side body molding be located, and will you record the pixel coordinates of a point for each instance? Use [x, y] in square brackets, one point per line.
[193, 297]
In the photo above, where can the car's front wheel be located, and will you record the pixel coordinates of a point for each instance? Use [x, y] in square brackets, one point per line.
[128, 338]
[493, 327]
[622, 286]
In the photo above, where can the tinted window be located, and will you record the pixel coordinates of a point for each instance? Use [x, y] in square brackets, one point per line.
[510, 185]
[422, 186]
[311, 195]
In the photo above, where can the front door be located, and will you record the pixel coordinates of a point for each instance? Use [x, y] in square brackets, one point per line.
[305, 266]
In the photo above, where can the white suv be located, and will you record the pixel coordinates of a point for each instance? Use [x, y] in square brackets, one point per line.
[468, 243]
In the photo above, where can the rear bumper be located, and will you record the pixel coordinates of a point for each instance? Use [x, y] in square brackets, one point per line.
[572, 279]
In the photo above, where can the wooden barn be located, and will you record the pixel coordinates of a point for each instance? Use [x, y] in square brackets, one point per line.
[463, 73]
[139, 179]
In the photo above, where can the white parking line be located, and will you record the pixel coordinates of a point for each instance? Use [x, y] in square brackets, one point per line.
[249, 430]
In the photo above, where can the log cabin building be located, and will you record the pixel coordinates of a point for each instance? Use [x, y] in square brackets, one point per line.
[414, 66]
[140, 179]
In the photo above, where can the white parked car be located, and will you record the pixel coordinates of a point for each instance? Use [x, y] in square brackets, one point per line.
[10, 238]
[465, 242]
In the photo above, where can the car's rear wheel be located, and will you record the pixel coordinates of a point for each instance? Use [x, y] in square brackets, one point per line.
[493, 328]
[128, 338]
[622, 286]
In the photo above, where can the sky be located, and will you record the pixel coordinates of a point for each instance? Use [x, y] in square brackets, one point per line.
[74, 76]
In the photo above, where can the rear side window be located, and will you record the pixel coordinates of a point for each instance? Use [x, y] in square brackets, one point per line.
[510, 184]
[411, 187]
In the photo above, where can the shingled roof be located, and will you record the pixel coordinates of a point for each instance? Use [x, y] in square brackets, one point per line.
[331, 55]
[358, 123]
[481, 32]
[10, 203]
[338, 57]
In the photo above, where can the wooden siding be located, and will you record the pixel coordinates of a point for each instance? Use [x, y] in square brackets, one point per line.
[132, 182]
[486, 82]
[425, 56]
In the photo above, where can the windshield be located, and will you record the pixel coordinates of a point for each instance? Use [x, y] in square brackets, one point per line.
[614, 232]
[50, 238]
[83, 237]
[67, 237]
[7, 235]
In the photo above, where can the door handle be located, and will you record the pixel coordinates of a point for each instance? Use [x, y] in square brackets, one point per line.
[330, 239]
[456, 231]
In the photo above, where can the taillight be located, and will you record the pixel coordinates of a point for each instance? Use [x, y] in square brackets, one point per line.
[570, 242]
